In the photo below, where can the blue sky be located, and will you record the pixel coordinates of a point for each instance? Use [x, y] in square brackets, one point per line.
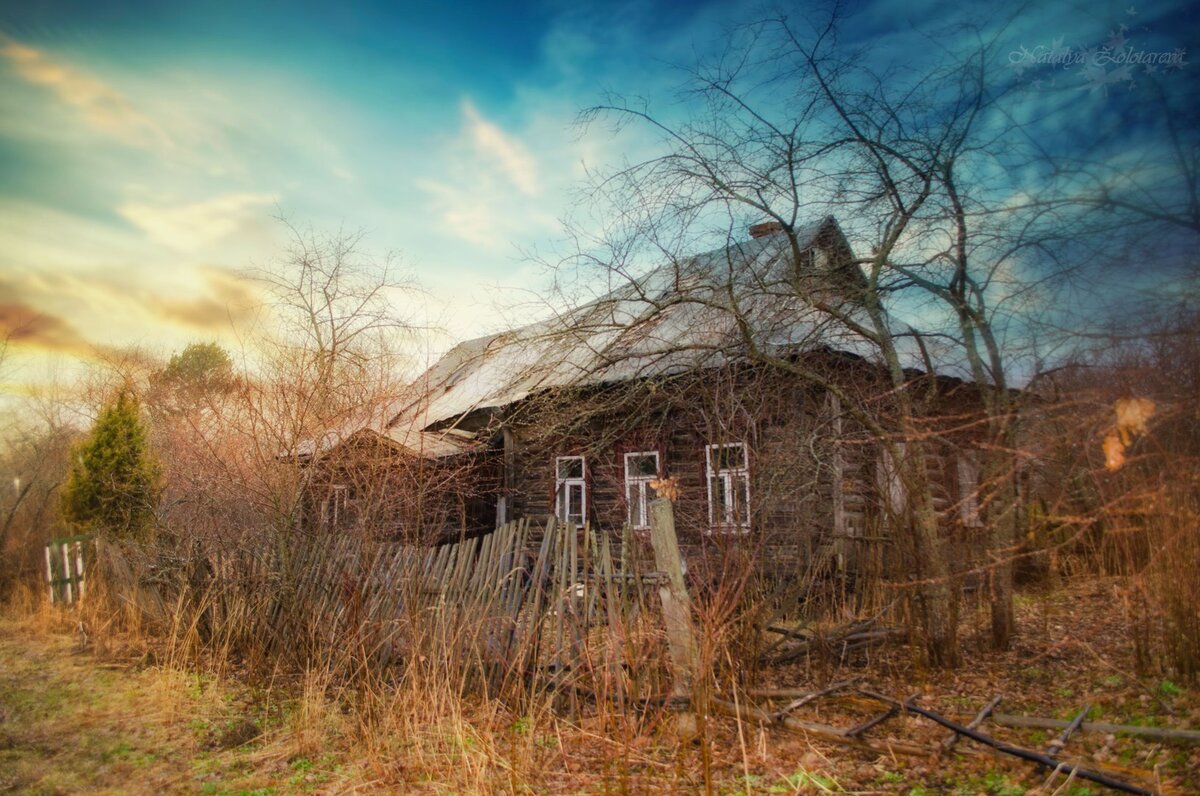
[145, 147]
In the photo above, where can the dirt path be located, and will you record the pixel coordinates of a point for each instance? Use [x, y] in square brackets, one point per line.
[70, 723]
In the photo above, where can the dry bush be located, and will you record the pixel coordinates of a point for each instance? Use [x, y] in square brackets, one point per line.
[1115, 487]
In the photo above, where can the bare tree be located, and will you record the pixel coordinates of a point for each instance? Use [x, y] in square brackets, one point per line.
[914, 165]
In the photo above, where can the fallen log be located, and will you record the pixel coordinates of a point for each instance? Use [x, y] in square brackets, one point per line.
[804, 699]
[975, 724]
[823, 732]
[1016, 751]
[1036, 722]
[1054, 748]
[790, 632]
[855, 732]
[842, 644]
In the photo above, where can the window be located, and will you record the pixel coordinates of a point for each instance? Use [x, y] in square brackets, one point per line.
[968, 489]
[892, 488]
[640, 470]
[728, 486]
[570, 489]
[335, 509]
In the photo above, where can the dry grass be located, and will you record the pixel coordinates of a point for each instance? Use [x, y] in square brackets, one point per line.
[76, 722]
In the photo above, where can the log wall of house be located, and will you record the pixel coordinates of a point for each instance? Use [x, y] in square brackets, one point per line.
[814, 473]
[792, 482]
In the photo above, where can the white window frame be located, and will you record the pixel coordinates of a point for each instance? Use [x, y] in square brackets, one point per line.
[728, 478]
[336, 505]
[641, 485]
[967, 471]
[564, 513]
[891, 485]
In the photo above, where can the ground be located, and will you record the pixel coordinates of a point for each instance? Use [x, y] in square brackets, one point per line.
[73, 720]
[73, 723]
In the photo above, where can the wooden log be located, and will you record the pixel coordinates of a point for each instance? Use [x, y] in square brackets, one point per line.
[871, 722]
[804, 699]
[1015, 751]
[980, 717]
[677, 606]
[822, 732]
[1056, 746]
[1036, 722]
[877, 719]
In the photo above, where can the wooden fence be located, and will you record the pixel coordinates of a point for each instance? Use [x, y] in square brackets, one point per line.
[64, 569]
[552, 605]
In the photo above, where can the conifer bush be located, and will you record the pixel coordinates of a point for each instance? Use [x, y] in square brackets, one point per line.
[113, 484]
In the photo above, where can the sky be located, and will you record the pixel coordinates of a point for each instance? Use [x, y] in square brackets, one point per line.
[147, 150]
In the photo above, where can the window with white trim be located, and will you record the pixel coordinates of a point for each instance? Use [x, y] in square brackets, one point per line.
[640, 469]
[336, 507]
[968, 489]
[570, 489]
[728, 486]
[892, 488]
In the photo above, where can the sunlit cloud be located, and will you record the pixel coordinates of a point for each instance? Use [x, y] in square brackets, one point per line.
[191, 226]
[103, 107]
[228, 300]
[27, 326]
[506, 152]
[489, 190]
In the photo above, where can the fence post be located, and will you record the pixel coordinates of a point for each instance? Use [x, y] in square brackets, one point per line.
[79, 567]
[50, 572]
[677, 607]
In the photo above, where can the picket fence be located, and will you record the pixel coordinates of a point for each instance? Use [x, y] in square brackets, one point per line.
[527, 602]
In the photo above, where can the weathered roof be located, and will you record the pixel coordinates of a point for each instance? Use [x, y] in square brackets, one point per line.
[681, 316]
[381, 423]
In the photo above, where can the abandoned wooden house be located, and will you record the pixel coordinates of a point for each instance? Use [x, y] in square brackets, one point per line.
[725, 381]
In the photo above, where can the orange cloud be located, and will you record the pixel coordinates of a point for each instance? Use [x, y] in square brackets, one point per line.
[23, 325]
[230, 298]
[105, 108]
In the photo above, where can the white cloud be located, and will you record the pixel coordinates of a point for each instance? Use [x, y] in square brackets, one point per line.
[189, 227]
[504, 152]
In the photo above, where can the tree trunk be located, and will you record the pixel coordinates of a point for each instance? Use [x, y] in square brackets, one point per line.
[936, 596]
[1002, 543]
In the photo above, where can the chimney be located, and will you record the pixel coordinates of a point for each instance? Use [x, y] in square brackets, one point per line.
[765, 228]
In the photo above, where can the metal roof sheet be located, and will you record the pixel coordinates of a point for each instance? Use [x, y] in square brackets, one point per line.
[681, 316]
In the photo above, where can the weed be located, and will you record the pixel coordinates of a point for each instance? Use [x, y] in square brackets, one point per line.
[1167, 688]
[800, 780]
[999, 784]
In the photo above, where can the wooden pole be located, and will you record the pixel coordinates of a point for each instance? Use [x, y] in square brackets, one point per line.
[975, 724]
[1166, 733]
[50, 572]
[66, 559]
[1025, 754]
[1054, 748]
[677, 606]
[79, 566]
